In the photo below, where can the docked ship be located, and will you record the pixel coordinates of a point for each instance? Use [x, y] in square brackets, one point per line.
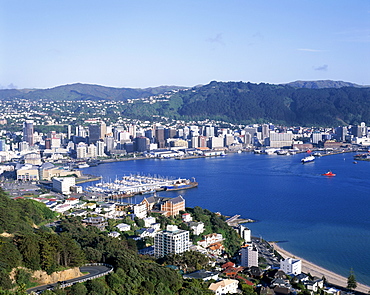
[180, 184]
[308, 159]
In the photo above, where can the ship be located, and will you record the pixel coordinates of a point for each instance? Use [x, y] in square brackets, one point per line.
[308, 159]
[329, 173]
[180, 184]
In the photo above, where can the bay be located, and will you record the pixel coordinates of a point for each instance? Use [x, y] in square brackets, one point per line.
[325, 220]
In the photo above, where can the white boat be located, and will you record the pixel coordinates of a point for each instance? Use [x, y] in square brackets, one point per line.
[308, 159]
[83, 166]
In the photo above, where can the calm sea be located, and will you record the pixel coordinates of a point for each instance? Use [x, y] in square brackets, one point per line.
[324, 220]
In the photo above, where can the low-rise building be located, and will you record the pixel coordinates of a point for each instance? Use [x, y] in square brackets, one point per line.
[98, 222]
[228, 286]
[196, 227]
[63, 184]
[291, 266]
[123, 227]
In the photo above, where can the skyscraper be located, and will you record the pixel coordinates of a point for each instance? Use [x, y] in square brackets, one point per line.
[97, 132]
[28, 132]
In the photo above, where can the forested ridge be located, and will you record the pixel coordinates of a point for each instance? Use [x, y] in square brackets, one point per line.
[36, 247]
[240, 102]
[234, 102]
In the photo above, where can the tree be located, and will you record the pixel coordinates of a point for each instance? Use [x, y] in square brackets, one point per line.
[351, 281]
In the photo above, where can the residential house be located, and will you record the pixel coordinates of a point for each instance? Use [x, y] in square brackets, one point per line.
[123, 227]
[114, 234]
[203, 275]
[196, 227]
[98, 222]
[210, 239]
[227, 286]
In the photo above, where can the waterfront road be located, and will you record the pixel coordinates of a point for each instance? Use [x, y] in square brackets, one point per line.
[92, 270]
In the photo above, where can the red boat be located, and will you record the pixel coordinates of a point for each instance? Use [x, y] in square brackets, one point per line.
[329, 173]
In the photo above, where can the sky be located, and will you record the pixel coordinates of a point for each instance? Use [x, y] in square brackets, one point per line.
[150, 43]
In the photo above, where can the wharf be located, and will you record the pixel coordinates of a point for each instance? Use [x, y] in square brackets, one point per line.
[236, 220]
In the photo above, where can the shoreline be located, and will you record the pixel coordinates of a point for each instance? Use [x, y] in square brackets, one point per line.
[318, 271]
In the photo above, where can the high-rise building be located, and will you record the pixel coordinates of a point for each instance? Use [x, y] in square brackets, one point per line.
[169, 133]
[249, 256]
[2, 145]
[159, 136]
[97, 131]
[171, 240]
[109, 143]
[81, 150]
[92, 151]
[28, 132]
[142, 144]
[100, 148]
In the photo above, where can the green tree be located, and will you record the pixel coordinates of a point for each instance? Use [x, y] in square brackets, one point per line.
[351, 281]
[79, 289]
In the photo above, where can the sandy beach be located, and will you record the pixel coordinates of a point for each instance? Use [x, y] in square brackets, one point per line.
[318, 271]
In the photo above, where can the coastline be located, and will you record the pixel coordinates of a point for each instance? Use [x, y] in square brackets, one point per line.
[318, 271]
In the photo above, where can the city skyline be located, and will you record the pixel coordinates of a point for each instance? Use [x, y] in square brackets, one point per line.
[147, 44]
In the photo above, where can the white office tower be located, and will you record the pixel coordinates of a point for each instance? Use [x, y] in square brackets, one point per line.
[249, 256]
[291, 266]
[81, 150]
[92, 151]
[100, 148]
[171, 240]
[245, 233]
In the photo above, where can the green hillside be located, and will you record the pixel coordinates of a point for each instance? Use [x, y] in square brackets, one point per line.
[80, 91]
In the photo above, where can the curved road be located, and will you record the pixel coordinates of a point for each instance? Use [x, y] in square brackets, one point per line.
[93, 270]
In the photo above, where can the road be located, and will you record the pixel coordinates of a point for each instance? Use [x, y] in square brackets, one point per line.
[92, 270]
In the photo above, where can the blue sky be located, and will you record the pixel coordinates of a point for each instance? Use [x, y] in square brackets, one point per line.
[151, 43]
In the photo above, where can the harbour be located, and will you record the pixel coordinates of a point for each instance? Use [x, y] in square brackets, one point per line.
[324, 213]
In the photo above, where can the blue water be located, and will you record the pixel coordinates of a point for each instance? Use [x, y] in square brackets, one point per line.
[322, 219]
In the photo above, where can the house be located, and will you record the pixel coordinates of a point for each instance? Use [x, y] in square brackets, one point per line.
[210, 239]
[72, 201]
[216, 249]
[146, 232]
[186, 217]
[196, 227]
[62, 208]
[123, 227]
[202, 274]
[314, 285]
[291, 266]
[331, 291]
[148, 221]
[140, 210]
[90, 206]
[146, 251]
[114, 234]
[98, 222]
[228, 286]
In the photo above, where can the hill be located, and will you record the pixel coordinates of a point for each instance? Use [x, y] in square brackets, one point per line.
[240, 102]
[322, 84]
[305, 104]
[80, 91]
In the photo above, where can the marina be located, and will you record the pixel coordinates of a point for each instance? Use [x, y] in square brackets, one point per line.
[134, 184]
